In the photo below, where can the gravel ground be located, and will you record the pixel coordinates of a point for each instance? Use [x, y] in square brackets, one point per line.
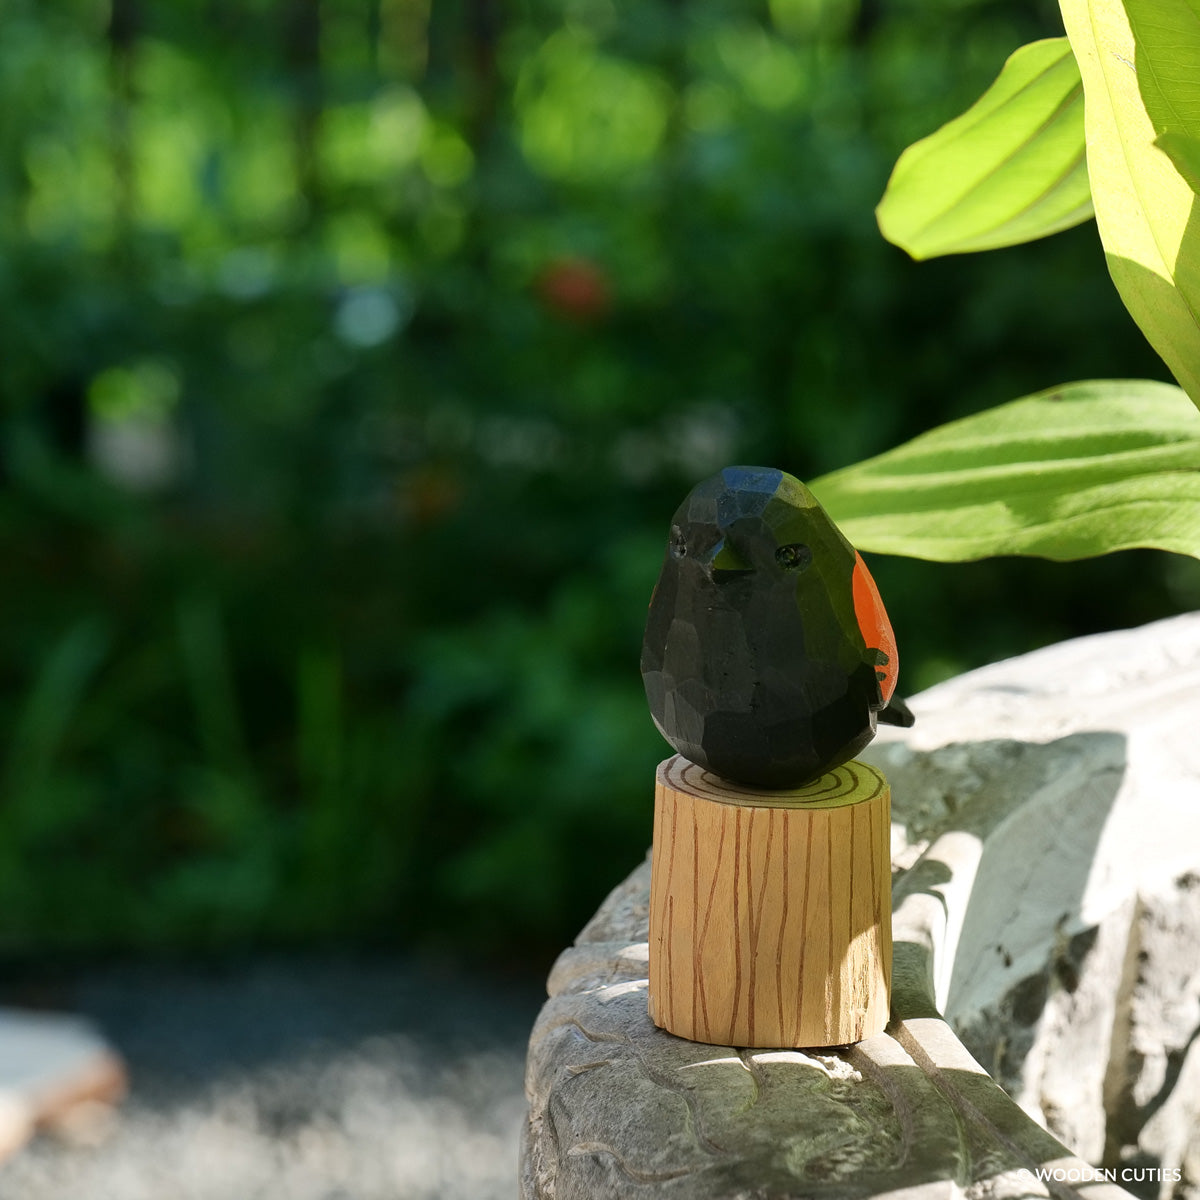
[295, 1080]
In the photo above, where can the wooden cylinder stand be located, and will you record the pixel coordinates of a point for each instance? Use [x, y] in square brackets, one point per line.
[770, 912]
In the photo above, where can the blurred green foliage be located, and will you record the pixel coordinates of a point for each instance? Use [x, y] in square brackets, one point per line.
[355, 356]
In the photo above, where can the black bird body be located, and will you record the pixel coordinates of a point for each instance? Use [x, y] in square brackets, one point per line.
[768, 655]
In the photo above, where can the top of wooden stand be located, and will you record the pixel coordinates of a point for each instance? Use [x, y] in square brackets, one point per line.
[851, 783]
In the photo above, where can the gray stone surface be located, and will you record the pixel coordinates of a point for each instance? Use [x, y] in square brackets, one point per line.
[1046, 846]
[620, 1108]
[1073, 776]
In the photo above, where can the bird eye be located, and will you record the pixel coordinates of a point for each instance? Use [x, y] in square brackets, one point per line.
[795, 556]
[677, 543]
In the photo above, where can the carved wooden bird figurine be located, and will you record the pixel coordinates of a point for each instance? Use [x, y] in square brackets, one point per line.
[768, 655]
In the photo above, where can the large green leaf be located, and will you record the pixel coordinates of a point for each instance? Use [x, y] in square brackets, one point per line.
[1075, 471]
[1144, 205]
[1010, 169]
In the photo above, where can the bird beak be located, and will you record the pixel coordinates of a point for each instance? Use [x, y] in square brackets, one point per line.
[724, 563]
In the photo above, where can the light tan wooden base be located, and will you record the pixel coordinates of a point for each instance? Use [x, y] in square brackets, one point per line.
[770, 912]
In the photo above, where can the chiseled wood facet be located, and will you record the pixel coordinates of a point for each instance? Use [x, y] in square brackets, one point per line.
[770, 912]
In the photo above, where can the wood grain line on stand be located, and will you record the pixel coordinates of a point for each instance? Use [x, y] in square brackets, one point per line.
[783, 916]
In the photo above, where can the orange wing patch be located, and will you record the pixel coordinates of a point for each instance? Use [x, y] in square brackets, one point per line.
[875, 627]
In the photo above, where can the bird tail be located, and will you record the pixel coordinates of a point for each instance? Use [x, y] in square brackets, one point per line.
[896, 712]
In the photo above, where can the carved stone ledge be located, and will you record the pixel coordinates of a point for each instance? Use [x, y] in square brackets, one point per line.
[1046, 853]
